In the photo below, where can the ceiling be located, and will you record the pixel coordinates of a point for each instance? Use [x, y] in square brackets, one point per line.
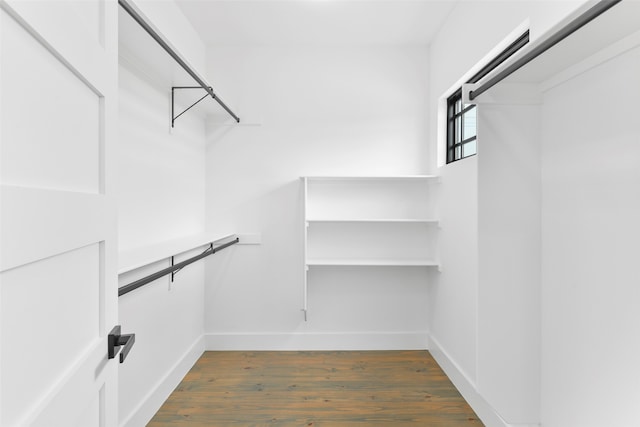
[316, 22]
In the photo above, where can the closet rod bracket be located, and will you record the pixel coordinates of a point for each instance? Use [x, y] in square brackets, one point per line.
[173, 89]
[209, 249]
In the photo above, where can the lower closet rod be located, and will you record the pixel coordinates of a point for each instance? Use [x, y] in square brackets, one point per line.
[150, 278]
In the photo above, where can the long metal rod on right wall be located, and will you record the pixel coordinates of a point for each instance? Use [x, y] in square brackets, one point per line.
[563, 33]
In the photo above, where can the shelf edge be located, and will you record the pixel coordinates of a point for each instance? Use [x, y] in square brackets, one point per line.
[372, 178]
[370, 263]
[132, 259]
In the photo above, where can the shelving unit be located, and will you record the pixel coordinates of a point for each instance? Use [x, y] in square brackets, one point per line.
[374, 221]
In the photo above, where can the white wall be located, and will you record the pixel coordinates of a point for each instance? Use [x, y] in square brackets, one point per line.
[463, 308]
[590, 234]
[488, 292]
[508, 322]
[453, 297]
[321, 111]
[161, 177]
[167, 319]
[161, 172]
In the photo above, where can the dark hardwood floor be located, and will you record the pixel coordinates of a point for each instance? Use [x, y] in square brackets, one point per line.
[336, 388]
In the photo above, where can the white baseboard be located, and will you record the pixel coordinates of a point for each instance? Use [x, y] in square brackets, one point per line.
[316, 341]
[157, 396]
[467, 388]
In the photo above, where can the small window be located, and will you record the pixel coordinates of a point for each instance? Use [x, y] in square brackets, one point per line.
[461, 128]
[461, 118]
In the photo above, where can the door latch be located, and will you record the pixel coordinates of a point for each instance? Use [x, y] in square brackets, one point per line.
[117, 340]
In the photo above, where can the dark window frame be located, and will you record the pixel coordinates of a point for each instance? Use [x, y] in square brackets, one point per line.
[456, 109]
[455, 134]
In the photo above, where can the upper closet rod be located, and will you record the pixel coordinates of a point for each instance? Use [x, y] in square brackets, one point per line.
[140, 20]
[566, 31]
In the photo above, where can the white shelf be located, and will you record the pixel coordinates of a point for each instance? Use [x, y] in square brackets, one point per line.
[329, 262]
[371, 198]
[376, 220]
[132, 259]
[372, 178]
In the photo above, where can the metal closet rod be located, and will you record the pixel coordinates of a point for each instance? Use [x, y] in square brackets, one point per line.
[563, 33]
[140, 20]
[150, 278]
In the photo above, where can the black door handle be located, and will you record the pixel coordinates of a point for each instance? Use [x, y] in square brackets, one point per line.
[116, 340]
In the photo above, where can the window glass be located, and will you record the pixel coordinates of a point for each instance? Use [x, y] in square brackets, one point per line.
[469, 128]
[469, 149]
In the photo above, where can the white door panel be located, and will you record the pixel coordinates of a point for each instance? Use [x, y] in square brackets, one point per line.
[58, 281]
[39, 223]
[80, 397]
[60, 26]
[72, 113]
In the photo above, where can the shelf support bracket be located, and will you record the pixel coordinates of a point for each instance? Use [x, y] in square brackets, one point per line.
[173, 89]
[176, 271]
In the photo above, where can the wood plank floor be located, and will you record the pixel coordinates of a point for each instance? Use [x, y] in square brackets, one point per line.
[354, 388]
